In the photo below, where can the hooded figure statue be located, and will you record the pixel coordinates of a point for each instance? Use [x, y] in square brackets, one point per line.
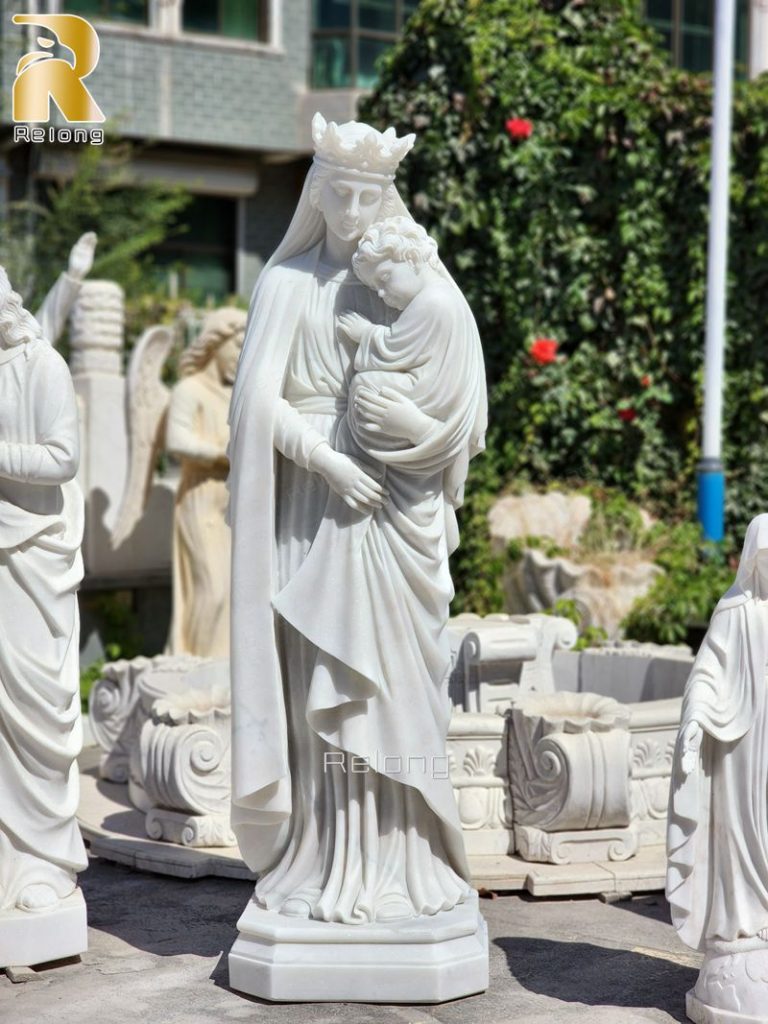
[341, 794]
[717, 844]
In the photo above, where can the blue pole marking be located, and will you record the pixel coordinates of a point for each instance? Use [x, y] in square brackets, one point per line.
[711, 499]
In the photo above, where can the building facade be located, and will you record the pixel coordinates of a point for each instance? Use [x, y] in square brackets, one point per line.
[220, 94]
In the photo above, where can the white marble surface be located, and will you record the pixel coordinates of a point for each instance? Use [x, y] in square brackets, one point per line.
[41, 529]
[58, 303]
[359, 400]
[477, 749]
[28, 939]
[116, 831]
[717, 879]
[426, 960]
[569, 763]
[732, 987]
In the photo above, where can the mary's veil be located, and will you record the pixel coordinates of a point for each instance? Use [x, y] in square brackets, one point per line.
[751, 576]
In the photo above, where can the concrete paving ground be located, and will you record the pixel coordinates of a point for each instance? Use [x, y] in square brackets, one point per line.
[158, 956]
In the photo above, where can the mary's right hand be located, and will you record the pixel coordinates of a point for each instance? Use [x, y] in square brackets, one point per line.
[690, 746]
[348, 479]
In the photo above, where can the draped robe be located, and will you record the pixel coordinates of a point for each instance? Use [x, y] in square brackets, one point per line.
[197, 435]
[41, 526]
[717, 843]
[345, 841]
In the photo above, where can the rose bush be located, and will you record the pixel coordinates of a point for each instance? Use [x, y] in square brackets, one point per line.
[589, 229]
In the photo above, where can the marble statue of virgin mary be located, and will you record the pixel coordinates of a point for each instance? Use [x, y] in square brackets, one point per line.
[341, 795]
[717, 877]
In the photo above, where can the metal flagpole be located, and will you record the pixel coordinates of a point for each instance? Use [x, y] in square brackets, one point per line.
[711, 476]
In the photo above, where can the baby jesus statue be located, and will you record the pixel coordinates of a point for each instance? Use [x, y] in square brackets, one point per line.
[389, 397]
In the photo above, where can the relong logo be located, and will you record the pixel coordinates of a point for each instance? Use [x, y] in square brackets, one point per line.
[41, 77]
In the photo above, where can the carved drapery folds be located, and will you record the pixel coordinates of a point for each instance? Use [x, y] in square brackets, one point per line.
[588, 776]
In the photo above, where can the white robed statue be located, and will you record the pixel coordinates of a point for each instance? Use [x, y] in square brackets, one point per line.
[341, 793]
[717, 876]
[41, 527]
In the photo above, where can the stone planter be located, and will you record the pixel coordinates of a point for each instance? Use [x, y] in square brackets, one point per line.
[569, 762]
[567, 777]
[114, 709]
[185, 761]
[477, 756]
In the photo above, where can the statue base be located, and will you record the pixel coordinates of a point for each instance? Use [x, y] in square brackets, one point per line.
[425, 960]
[733, 984]
[28, 938]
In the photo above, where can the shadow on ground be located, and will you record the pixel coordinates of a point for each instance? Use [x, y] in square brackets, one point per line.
[653, 906]
[161, 915]
[580, 972]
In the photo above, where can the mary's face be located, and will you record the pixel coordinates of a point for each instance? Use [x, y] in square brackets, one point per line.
[350, 205]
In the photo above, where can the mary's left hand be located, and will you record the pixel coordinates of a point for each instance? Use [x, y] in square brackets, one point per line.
[393, 414]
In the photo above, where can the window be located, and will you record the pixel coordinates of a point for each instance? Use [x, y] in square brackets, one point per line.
[136, 11]
[202, 257]
[686, 27]
[237, 19]
[350, 35]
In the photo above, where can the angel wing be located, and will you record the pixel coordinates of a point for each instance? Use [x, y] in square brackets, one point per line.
[148, 400]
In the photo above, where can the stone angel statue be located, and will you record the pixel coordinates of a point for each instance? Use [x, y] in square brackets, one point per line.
[189, 422]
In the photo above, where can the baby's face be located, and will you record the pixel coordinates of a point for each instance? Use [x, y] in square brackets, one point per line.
[396, 283]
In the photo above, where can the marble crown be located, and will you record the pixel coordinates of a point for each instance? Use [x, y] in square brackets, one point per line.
[359, 147]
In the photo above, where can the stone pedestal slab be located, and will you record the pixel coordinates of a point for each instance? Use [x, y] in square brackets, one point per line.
[28, 938]
[580, 847]
[426, 960]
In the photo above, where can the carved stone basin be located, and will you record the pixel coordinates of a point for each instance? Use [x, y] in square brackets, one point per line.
[557, 757]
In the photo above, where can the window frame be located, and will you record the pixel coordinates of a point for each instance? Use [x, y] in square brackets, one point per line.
[179, 245]
[677, 28]
[165, 22]
[264, 39]
[62, 7]
[352, 34]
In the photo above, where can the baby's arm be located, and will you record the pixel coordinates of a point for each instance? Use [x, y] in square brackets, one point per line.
[356, 327]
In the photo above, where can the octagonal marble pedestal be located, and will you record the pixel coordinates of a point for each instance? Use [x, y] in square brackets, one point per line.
[28, 938]
[426, 960]
[732, 987]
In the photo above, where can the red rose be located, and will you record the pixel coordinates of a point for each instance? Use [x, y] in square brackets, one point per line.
[519, 128]
[544, 350]
[627, 415]
[645, 381]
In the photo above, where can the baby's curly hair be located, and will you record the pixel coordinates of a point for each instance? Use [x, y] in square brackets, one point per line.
[396, 238]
